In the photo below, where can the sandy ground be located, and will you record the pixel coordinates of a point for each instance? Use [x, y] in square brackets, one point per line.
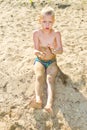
[17, 21]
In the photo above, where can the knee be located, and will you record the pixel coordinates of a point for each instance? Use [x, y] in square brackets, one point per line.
[39, 77]
[50, 79]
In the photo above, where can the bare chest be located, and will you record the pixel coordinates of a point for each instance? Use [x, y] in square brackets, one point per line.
[46, 40]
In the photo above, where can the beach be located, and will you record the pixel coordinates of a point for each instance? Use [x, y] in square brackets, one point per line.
[18, 20]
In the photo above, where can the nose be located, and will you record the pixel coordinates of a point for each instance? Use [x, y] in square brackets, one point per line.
[47, 24]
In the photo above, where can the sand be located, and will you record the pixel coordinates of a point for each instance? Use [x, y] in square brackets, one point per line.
[18, 20]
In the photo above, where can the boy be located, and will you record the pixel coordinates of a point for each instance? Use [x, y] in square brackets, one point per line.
[47, 43]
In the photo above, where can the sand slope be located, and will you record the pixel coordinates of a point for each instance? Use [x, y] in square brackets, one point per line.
[17, 22]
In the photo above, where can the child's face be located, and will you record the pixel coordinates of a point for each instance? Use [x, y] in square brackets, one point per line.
[46, 22]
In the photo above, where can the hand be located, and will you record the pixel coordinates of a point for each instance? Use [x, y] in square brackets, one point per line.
[51, 46]
[41, 54]
[57, 51]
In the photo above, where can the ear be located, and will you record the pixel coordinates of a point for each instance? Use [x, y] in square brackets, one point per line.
[39, 19]
[53, 19]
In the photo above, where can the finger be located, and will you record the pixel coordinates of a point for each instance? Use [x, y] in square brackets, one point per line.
[48, 45]
[51, 46]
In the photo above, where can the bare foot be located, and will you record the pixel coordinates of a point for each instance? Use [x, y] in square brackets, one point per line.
[37, 105]
[48, 108]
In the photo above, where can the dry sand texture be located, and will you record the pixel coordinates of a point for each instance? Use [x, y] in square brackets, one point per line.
[17, 22]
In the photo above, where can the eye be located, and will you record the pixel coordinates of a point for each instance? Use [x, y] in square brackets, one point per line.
[50, 21]
[44, 21]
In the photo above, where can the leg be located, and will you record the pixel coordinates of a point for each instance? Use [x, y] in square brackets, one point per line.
[52, 71]
[40, 76]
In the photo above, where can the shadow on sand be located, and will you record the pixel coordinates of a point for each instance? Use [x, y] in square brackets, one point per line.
[44, 3]
[69, 108]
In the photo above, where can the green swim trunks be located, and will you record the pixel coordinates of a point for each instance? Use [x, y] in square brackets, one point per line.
[44, 63]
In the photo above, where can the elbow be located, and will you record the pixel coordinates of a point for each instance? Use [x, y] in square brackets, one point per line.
[35, 52]
[61, 51]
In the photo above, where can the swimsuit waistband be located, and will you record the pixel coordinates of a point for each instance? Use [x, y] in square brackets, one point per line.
[54, 59]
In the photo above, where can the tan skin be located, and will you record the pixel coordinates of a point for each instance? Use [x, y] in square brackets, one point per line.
[47, 43]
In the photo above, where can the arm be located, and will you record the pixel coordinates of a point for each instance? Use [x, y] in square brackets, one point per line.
[59, 49]
[37, 51]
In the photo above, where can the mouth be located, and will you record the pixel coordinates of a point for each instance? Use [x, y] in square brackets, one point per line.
[47, 28]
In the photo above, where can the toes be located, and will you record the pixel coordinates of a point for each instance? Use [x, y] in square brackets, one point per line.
[48, 109]
[36, 105]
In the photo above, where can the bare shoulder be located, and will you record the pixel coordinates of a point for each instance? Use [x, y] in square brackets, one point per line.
[57, 33]
[36, 33]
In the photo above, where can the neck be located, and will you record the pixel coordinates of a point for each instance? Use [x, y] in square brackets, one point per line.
[47, 31]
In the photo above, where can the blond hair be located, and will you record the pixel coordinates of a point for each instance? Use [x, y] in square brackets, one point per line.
[48, 11]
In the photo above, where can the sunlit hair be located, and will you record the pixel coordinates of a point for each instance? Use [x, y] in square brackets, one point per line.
[48, 11]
